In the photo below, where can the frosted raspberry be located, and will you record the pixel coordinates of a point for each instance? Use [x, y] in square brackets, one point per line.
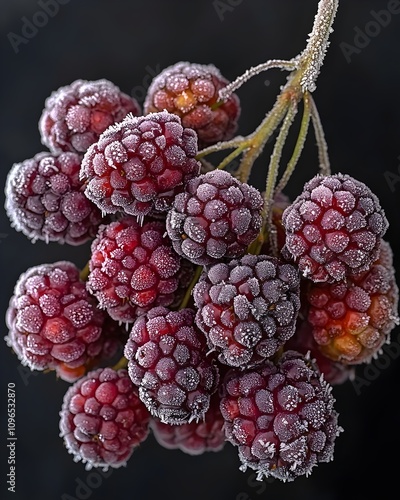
[352, 320]
[335, 372]
[54, 324]
[45, 200]
[75, 115]
[138, 165]
[103, 420]
[334, 228]
[191, 91]
[167, 360]
[195, 438]
[247, 308]
[215, 217]
[133, 268]
[281, 417]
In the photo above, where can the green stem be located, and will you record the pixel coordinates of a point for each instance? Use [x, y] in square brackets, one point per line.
[273, 168]
[301, 139]
[188, 293]
[233, 155]
[84, 274]
[324, 163]
[122, 363]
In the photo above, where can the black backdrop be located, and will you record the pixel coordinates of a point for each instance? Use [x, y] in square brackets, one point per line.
[127, 43]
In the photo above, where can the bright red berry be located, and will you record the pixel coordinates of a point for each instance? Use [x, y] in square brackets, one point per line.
[55, 324]
[351, 320]
[102, 419]
[133, 268]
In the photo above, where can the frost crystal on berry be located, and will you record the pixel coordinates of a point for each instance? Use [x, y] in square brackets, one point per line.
[45, 200]
[334, 228]
[167, 360]
[139, 165]
[103, 420]
[75, 115]
[280, 416]
[248, 307]
[191, 91]
[216, 217]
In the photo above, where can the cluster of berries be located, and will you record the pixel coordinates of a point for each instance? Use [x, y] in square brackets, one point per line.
[224, 344]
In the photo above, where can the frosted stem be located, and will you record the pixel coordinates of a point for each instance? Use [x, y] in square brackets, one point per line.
[314, 54]
[255, 70]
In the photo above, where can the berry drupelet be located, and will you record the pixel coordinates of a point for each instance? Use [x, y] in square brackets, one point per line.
[248, 307]
[281, 417]
[103, 420]
[351, 320]
[133, 268]
[45, 200]
[334, 228]
[140, 164]
[75, 115]
[215, 217]
[190, 91]
[167, 360]
[54, 323]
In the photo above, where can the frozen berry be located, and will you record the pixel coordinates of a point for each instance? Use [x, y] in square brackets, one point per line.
[45, 200]
[281, 417]
[335, 372]
[334, 228]
[138, 165]
[133, 268]
[215, 217]
[195, 438]
[248, 307]
[167, 360]
[54, 323]
[351, 320]
[75, 115]
[102, 419]
[190, 91]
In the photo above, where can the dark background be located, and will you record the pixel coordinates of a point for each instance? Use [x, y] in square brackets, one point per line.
[127, 43]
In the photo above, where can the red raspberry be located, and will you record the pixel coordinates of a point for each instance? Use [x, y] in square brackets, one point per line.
[247, 308]
[195, 438]
[334, 228]
[54, 324]
[335, 372]
[167, 360]
[281, 417]
[138, 165]
[74, 116]
[102, 419]
[45, 200]
[215, 217]
[191, 91]
[352, 320]
[133, 268]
